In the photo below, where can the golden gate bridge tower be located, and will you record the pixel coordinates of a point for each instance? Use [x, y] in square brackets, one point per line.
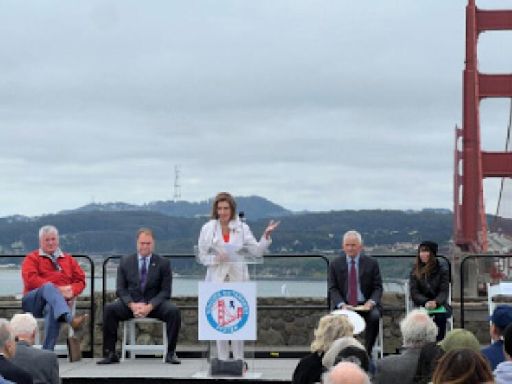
[472, 164]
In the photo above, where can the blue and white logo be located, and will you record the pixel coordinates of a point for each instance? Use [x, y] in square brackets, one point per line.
[227, 311]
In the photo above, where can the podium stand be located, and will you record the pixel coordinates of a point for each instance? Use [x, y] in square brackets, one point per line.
[227, 312]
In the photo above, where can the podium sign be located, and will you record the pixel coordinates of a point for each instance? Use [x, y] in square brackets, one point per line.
[227, 311]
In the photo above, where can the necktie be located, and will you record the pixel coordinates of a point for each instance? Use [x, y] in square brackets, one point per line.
[352, 284]
[143, 274]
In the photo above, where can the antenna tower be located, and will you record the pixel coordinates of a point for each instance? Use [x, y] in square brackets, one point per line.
[177, 186]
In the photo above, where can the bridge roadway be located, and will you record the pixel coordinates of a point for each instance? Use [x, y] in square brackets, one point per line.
[190, 371]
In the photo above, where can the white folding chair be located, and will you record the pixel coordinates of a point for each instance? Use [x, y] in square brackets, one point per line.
[129, 343]
[378, 348]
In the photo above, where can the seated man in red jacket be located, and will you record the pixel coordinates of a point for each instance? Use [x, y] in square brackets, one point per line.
[52, 280]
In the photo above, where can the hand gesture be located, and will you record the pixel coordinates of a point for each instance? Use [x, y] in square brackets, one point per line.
[270, 228]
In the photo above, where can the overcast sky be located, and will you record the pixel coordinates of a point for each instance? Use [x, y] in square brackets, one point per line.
[315, 105]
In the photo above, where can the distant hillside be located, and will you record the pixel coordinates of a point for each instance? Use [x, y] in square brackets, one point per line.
[105, 232]
[254, 207]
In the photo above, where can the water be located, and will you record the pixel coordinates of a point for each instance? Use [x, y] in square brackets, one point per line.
[11, 284]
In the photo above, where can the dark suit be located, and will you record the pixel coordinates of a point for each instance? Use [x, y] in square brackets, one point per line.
[370, 284]
[398, 368]
[14, 373]
[157, 292]
[42, 364]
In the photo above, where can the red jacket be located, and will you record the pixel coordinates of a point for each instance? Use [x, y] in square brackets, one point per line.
[37, 270]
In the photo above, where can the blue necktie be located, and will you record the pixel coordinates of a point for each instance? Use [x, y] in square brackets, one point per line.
[143, 274]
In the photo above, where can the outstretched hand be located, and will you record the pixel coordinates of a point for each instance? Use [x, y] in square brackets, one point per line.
[270, 228]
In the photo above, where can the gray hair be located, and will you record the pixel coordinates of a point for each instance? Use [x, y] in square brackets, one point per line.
[23, 324]
[47, 229]
[346, 373]
[338, 346]
[417, 329]
[6, 334]
[353, 233]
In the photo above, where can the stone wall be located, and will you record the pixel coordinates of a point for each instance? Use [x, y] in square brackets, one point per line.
[282, 322]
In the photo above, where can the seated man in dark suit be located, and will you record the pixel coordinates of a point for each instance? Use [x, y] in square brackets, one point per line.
[144, 283]
[8, 370]
[42, 364]
[354, 280]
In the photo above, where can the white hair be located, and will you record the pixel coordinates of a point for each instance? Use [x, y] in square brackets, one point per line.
[6, 334]
[337, 346]
[418, 328]
[23, 324]
[346, 373]
[353, 233]
[47, 229]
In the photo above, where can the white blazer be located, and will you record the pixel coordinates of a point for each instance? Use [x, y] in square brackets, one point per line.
[239, 235]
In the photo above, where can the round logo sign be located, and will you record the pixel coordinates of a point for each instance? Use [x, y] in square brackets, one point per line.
[227, 311]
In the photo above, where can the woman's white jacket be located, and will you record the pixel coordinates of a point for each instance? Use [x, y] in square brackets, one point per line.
[240, 235]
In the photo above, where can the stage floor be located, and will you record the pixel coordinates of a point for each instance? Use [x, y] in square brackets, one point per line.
[190, 370]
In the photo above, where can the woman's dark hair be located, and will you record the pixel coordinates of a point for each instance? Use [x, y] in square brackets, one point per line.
[422, 269]
[223, 196]
[429, 356]
[462, 366]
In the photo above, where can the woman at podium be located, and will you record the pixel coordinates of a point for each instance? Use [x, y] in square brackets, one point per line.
[224, 243]
[429, 284]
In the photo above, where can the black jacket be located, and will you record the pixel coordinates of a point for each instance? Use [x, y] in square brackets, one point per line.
[433, 287]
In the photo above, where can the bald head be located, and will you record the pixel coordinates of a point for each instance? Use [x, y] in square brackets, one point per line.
[346, 373]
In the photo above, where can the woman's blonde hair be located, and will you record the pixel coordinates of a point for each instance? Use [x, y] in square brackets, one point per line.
[330, 328]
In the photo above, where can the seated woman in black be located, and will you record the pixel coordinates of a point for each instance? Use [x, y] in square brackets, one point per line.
[429, 285]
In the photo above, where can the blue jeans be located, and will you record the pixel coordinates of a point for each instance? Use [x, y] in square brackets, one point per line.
[47, 301]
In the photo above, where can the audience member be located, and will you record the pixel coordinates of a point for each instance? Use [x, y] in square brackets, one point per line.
[459, 338]
[503, 372]
[52, 280]
[429, 284]
[42, 364]
[330, 327]
[355, 283]
[346, 373]
[337, 346]
[429, 355]
[8, 370]
[462, 366]
[500, 319]
[417, 329]
[354, 355]
[144, 282]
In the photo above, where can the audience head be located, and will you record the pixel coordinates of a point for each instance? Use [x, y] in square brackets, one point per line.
[501, 318]
[330, 328]
[417, 329]
[353, 354]
[7, 344]
[429, 355]
[459, 338]
[24, 327]
[336, 347]
[48, 239]
[507, 341]
[462, 366]
[352, 243]
[346, 373]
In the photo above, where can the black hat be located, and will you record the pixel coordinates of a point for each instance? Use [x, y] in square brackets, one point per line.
[354, 355]
[430, 245]
[507, 343]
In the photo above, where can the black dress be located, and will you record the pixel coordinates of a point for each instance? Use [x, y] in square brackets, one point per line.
[435, 286]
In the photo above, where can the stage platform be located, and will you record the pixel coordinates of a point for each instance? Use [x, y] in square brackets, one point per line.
[144, 370]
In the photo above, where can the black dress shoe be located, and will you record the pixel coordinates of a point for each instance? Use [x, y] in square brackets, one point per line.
[111, 358]
[172, 358]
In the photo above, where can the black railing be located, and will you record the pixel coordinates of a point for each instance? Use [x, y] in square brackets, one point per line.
[91, 306]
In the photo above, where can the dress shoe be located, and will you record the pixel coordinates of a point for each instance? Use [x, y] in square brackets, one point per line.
[77, 321]
[111, 358]
[172, 358]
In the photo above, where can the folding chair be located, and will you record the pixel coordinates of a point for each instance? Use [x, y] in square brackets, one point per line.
[129, 343]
